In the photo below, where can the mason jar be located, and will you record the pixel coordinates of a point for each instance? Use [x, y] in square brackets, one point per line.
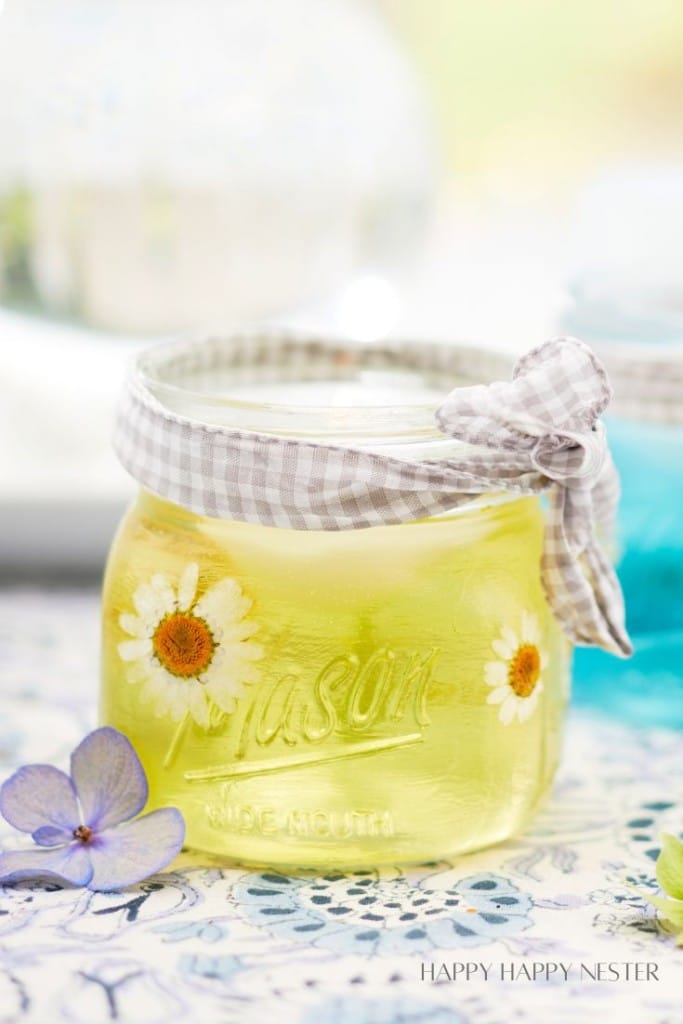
[332, 697]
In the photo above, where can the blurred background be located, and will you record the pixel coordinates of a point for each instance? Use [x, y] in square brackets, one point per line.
[495, 172]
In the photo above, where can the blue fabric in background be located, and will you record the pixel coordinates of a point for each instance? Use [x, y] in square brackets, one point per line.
[647, 689]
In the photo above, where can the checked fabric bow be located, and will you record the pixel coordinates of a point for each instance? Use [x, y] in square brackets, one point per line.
[541, 431]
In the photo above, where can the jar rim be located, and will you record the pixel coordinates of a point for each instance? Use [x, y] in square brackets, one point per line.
[213, 383]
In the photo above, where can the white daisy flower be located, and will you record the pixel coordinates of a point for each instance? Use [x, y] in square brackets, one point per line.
[516, 678]
[188, 653]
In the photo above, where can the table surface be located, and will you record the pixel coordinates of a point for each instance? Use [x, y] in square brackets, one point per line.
[212, 943]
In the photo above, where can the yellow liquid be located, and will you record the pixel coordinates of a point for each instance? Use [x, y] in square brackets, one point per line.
[367, 738]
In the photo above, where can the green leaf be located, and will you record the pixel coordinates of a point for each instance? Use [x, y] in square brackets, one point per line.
[672, 910]
[670, 866]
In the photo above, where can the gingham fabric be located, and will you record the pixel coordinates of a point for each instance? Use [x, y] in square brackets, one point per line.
[647, 380]
[539, 432]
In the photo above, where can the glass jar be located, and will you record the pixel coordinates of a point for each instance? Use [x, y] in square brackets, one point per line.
[335, 698]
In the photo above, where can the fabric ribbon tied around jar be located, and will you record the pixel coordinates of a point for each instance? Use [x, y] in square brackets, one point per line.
[539, 432]
[542, 429]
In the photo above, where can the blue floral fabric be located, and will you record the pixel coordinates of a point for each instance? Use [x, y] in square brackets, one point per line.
[442, 943]
[367, 914]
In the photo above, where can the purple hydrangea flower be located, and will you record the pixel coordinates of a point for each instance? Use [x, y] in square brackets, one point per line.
[83, 821]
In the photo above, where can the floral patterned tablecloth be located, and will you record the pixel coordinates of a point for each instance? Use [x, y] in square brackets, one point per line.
[210, 943]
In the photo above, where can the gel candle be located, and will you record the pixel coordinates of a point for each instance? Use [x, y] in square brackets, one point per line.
[334, 698]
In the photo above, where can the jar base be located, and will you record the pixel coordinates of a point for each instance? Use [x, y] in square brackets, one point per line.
[349, 858]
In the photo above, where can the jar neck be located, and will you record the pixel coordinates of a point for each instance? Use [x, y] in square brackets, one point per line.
[157, 508]
[373, 396]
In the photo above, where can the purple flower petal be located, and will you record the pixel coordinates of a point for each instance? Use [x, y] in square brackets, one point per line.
[48, 835]
[127, 854]
[69, 863]
[39, 795]
[109, 779]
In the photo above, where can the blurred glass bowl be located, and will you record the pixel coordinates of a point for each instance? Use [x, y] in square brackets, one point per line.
[627, 300]
[179, 166]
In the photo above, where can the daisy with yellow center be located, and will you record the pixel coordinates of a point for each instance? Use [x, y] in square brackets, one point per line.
[188, 654]
[516, 678]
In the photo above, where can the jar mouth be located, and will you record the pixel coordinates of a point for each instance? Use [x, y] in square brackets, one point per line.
[313, 388]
